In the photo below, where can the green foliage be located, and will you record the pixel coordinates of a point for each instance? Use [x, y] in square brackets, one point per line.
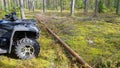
[101, 7]
[66, 4]
[0, 6]
[91, 4]
[79, 4]
[2, 13]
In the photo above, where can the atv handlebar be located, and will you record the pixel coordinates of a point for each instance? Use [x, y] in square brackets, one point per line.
[11, 17]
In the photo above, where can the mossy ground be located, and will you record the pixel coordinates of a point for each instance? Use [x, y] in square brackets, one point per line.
[97, 40]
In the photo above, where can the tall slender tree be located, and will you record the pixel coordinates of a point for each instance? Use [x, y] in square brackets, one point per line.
[44, 6]
[61, 6]
[2, 4]
[5, 5]
[21, 9]
[86, 6]
[96, 8]
[72, 7]
[33, 5]
[57, 5]
[117, 6]
[16, 3]
[27, 4]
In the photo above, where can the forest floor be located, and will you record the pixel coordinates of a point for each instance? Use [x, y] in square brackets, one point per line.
[96, 39]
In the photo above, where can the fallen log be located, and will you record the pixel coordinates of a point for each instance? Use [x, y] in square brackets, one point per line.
[72, 52]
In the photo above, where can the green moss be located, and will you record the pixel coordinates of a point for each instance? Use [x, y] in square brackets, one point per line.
[105, 39]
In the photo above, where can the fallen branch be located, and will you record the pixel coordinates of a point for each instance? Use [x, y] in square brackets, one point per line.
[73, 53]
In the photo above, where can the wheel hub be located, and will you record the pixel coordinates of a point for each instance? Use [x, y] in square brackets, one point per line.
[27, 50]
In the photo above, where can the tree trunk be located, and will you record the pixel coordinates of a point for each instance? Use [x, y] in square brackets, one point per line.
[44, 6]
[21, 9]
[36, 4]
[14, 6]
[5, 5]
[61, 6]
[16, 3]
[117, 7]
[96, 8]
[9, 5]
[26, 4]
[2, 4]
[29, 5]
[86, 6]
[33, 5]
[57, 5]
[107, 2]
[72, 7]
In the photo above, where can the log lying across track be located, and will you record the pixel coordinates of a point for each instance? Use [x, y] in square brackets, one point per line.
[73, 53]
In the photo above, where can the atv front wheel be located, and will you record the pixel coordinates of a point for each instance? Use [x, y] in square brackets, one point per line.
[27, 48]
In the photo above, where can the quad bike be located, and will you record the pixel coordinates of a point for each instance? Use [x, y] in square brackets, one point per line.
[18, 37]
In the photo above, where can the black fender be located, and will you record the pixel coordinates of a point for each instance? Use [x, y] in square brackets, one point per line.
[22, 28]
